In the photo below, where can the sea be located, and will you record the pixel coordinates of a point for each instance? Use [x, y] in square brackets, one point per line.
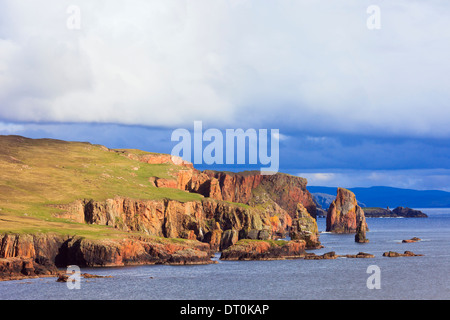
[402, 278]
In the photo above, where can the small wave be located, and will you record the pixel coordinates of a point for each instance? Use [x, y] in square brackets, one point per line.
[387, 217]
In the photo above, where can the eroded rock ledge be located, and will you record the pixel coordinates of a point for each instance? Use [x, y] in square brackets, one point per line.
[26, 255]
[265, 250]
[207, 221]
[279, 250]
[393, 254]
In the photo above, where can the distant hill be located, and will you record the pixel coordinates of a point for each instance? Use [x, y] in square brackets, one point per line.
[324, 200]
[393, 197]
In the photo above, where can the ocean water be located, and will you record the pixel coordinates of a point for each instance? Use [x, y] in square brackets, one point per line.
[425, 277]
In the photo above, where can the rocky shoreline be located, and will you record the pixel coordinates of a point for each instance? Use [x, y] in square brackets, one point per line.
[39, 255]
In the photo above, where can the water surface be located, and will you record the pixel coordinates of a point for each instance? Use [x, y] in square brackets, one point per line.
[401, 278]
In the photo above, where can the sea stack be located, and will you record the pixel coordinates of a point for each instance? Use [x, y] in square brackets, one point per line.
[361, 229]
[344, 213]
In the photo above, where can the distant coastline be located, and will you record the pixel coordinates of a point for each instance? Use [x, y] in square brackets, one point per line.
[383, 197]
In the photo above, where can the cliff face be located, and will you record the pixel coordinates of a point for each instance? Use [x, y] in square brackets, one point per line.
[133, 251]
[274, 201]
[304, 227]
[204, 220]
[28, 255]
[235, 206]
[246, 187]
[40, 254]
[344, 213]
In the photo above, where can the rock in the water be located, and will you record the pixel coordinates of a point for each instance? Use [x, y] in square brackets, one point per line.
[344, 213]
[325, 256]
[414, 239]
[333, 255]
[62, 278]
[264, 250]
[360, 235]
[392, 254]
[360, 255]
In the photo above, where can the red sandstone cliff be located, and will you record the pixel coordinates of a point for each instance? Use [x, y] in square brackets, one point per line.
[276, 198]
[248, 187]
[304, 227]
[204, 220]
[243, 187]
[30, 255]
[344, 213]
[237, 206]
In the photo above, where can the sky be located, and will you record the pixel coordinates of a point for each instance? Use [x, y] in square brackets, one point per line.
[355, 106]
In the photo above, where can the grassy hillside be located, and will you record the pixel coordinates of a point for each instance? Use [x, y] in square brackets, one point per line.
[37, 173]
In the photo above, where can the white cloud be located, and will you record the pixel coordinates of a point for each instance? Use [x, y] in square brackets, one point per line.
[240, 63]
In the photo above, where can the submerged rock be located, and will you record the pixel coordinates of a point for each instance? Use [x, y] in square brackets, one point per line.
[326, 256]
[360, 255]
[414, 239]
[392, 254]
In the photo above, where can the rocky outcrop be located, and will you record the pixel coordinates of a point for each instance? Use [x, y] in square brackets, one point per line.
[274, 198]
[325, 256]
[359, 255]
[133, 251]
[361, 229]
[333, 255]
[304, 227]
[265, 250]
[344, 213]
[64, 277]
[229, 238]
[21, 268]
[250, 186]
[24, 255]
[205, 220]
[408, 213]
[392, 254]
[414, 239]
[377, 213]
[399, 212]
[154, 158]
[40, 254]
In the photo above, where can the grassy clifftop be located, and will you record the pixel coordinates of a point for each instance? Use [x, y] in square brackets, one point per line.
[37, 173]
